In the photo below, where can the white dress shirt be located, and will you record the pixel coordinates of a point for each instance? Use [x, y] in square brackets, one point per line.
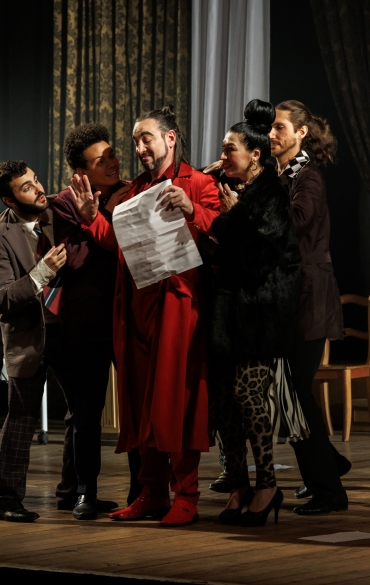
[41, 274]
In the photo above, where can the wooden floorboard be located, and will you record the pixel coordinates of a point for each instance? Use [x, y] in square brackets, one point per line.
[206, 552]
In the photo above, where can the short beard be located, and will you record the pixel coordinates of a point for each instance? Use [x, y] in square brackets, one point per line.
[157, 163]
[31, 208]
[283, 152]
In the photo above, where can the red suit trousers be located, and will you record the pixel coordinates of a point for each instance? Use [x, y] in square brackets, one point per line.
[160, 469]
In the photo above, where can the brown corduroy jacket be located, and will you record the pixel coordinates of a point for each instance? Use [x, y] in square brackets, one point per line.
[320, 312]
[21, 312]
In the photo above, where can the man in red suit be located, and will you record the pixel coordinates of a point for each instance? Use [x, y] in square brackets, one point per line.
[160, 334]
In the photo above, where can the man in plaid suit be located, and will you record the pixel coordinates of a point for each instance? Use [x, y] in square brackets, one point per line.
[29, 263]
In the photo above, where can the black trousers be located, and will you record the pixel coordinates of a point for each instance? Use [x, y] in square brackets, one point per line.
[24, 401]
[88, 366]
[319, 462]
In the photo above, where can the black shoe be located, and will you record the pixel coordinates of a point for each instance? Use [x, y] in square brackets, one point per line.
[13, 511]
[222, 485]
[259, 518]
[70, 503]
[302, 492]
[319, 505]
[86, 508]
[344, 467]
[230, 516]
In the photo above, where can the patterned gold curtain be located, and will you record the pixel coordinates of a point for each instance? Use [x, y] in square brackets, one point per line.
[113, 60]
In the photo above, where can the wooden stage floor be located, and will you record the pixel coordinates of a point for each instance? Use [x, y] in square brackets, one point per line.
[205, 552]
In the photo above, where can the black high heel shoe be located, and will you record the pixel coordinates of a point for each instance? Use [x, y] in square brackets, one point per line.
[230, 516]
[259, 518]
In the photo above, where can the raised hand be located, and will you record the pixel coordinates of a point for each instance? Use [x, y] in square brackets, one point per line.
[86, 202]
[56, 257]
[176, 197]
[227, 198]
[216, 166]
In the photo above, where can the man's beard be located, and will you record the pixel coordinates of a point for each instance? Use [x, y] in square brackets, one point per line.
[157, 162]
[31, 208]
[287, 148]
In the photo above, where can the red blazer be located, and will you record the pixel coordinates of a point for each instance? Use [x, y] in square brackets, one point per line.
[174, 413]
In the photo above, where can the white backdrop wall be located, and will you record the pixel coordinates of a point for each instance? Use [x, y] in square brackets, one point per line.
[230, 66]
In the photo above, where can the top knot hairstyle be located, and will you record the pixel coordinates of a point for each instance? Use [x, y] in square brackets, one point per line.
[166, 121]
[81, 138]
[254, 131]
[9, 170]
[319, 142]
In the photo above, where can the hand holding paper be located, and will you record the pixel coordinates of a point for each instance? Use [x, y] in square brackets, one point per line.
[176, 197]
[154, 238]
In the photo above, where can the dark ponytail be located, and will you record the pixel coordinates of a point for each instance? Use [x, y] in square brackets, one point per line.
[319, 142]
[166, 121]
[254, 131]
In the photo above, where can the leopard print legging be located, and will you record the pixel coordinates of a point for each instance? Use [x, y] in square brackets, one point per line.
[240, 411]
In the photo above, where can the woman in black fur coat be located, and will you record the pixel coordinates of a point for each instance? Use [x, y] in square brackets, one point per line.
[256, 300]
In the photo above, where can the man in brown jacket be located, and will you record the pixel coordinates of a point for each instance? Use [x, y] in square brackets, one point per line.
[29, 263]
[301, 141]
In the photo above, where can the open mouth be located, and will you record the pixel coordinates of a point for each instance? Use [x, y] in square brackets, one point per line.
[112, 173]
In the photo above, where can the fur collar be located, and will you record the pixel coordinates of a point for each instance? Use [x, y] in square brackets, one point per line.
[268, 176]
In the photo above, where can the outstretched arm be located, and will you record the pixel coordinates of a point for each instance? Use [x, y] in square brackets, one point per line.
[86, 202]
[87, 205]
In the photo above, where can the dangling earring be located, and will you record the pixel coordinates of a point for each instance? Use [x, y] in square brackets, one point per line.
[253, 166]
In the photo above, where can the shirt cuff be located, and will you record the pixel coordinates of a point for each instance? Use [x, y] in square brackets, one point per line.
[41, 275]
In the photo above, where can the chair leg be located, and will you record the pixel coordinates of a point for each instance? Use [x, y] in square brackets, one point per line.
[347, 404]
[368, 393]
[325, 406]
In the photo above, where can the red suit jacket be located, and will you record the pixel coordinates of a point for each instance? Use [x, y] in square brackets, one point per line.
[165, 406]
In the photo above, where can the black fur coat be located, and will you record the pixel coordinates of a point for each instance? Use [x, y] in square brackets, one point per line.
[258, 283]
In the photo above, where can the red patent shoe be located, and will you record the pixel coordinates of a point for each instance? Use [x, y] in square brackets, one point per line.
[143, 507]
[181, 513]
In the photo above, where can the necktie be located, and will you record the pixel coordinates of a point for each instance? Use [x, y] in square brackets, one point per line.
[52, 293]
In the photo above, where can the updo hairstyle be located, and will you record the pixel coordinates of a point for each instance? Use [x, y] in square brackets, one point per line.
[254, 131]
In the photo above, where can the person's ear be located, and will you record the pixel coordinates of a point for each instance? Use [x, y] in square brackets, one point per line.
[303, 131]
[171, 138]
[256, 155]
[9, 202]
[80, 171]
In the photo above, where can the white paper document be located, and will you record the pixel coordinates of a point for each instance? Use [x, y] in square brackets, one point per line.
[276, 466]
[155, 243]
[339, 537]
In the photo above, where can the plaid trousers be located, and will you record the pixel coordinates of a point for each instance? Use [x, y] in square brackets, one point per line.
[24, 400]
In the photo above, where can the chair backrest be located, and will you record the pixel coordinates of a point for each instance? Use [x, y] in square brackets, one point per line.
[349, 331]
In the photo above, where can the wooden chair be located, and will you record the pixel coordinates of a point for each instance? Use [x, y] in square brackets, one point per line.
[344, 372]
